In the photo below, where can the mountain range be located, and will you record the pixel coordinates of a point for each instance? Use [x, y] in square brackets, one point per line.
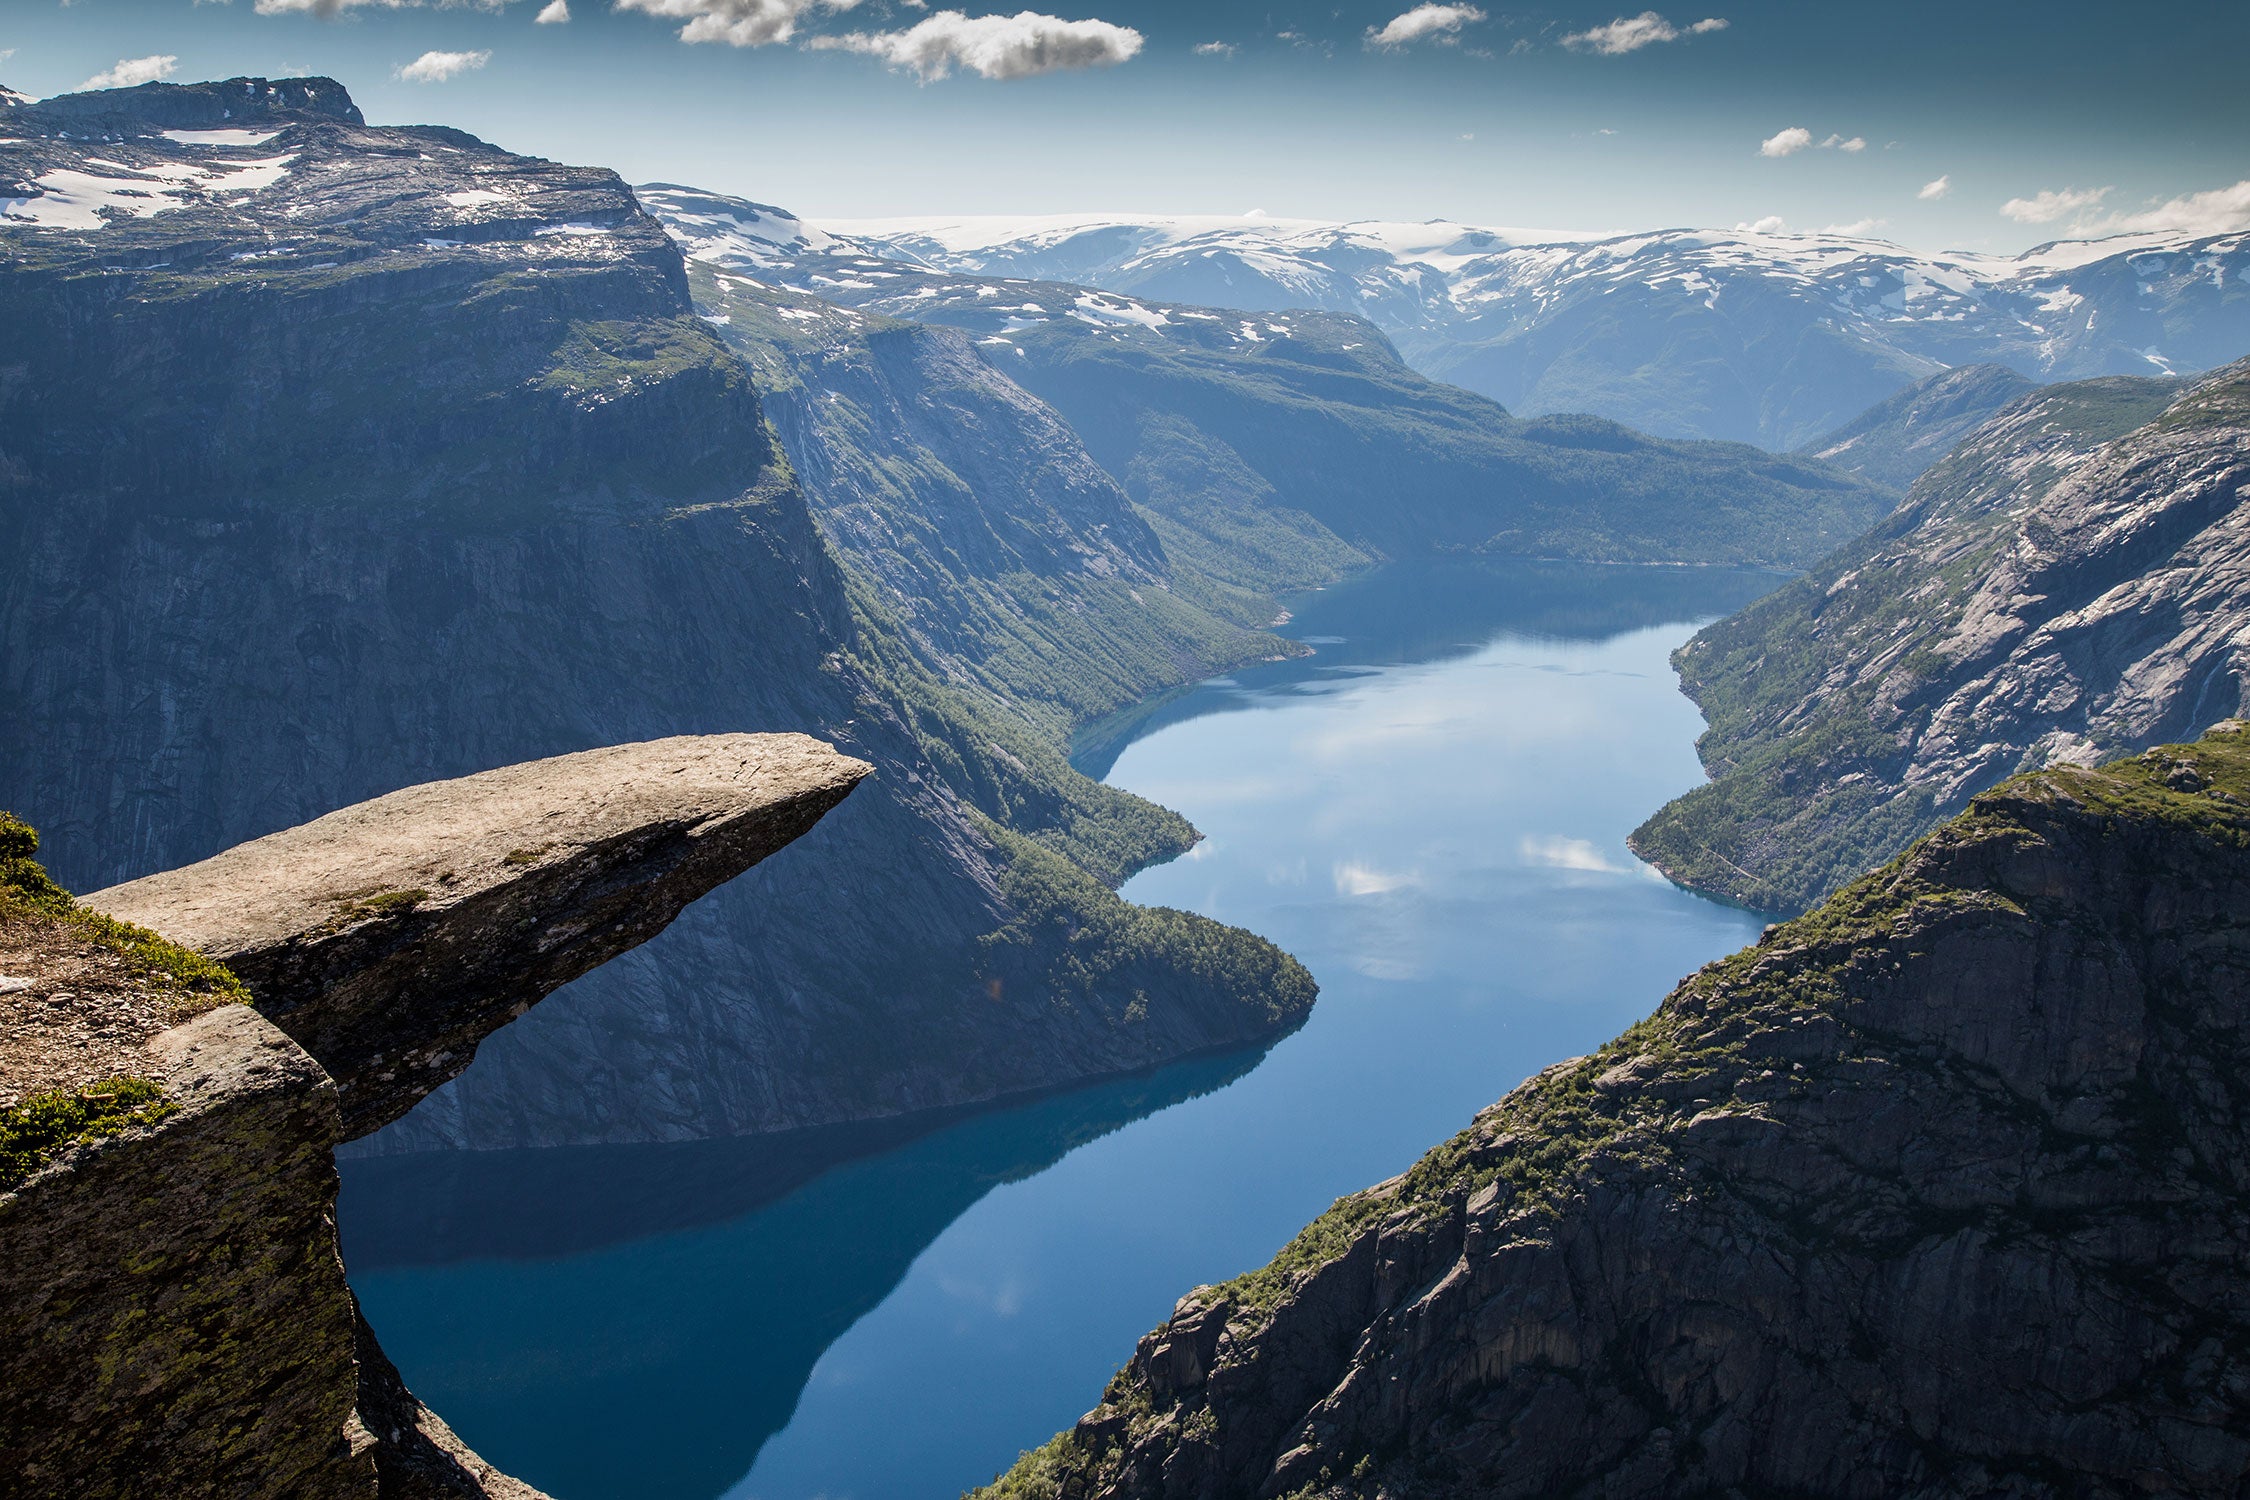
[1764, 337]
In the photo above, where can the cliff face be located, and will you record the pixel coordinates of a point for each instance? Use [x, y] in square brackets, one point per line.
[2068, 585]
[1011, 559]
[335, 459]
[1936, 1191]
[172, 1309]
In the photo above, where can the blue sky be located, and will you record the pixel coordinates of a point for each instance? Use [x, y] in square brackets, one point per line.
[1571, 116]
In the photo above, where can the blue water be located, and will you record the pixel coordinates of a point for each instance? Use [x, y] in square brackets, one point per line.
[1430, 811]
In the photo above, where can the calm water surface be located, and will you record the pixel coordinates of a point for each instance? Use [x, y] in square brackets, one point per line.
[1430, 811]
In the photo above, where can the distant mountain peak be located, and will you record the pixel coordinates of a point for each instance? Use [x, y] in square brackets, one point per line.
[185, 106]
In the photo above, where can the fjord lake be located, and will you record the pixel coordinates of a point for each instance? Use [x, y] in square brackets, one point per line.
[1429, 810]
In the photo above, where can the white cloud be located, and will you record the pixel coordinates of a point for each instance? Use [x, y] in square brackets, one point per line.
[133, 70]
[1838, 143]
[1770, 224]
[1017, 46]
[554, 13]
[1785, 143]
[1444, 22]
[328, 10]
[1632, 33]
[1932, 191]
[1355, 879]
[1214, 49]
[437, 67]
[2050, 204]
[2215, 211]
[1857, 229]
[1560, 853]
[738, 23]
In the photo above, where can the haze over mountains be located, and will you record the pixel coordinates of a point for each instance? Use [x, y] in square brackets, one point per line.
[1763, 337]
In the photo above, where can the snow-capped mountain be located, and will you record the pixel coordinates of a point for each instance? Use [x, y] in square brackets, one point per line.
[1771, 338]
[733, 231]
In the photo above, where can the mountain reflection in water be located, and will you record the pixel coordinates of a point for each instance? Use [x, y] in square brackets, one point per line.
[637, 1320]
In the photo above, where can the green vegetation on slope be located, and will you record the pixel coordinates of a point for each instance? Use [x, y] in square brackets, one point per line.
[1006, 768]
[1110, 948]
[1895, 441]
[1008, 559]
[38, 1129]
[34, 1130]
[26, 893]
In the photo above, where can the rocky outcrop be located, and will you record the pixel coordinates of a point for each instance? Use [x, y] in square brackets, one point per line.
[1895, 441]
[1938, 1191]
[2070, 584]
[391, 937]
[174, 1317]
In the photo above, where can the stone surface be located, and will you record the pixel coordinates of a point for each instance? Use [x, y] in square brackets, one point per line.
[1939, 1191]
[390, 937]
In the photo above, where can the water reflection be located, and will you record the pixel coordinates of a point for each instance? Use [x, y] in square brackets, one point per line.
[637, 1320]
[1434, 612]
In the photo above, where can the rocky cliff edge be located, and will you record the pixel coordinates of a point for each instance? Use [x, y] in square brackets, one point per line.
[174, 1317]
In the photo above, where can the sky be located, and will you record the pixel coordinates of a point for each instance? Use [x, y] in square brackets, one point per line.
[1969, 124]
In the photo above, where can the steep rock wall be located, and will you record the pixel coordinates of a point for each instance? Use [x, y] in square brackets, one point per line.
[414, 461]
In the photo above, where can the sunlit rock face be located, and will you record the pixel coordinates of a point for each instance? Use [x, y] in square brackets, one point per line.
[2071, 583]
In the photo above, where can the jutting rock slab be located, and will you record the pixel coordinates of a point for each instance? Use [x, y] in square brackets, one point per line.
[174, 1317]
[391, 937]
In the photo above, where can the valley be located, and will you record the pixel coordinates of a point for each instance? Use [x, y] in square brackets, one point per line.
[770, 856]
[1429, 810]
